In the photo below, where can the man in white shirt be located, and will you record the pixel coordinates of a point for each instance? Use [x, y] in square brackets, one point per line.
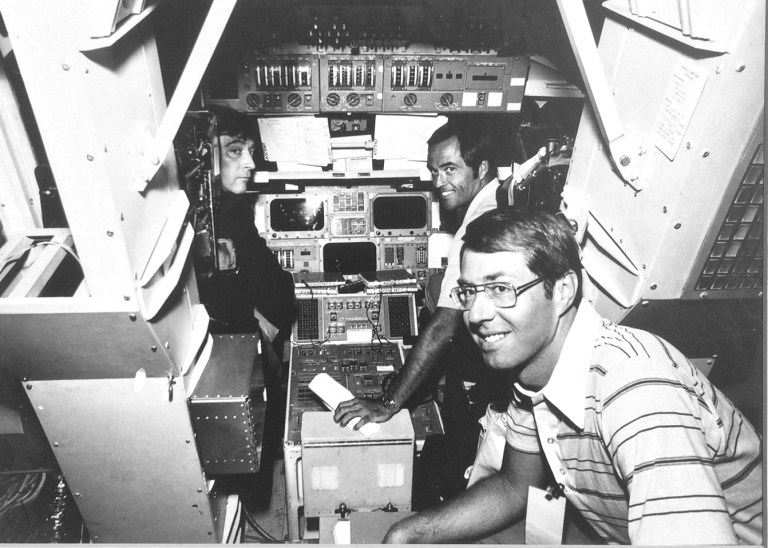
[460, 158]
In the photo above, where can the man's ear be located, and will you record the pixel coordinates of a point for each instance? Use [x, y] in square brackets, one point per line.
[564, 291]
[482, 170]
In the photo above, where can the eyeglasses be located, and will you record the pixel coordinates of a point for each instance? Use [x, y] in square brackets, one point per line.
[500, 294]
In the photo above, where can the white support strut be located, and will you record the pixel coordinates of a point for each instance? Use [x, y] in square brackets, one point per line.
[206, 43]
[622, 152]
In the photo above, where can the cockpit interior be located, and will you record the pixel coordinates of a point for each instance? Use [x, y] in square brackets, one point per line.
[129, 413]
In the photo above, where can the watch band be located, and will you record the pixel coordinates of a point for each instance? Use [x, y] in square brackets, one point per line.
[388, 401]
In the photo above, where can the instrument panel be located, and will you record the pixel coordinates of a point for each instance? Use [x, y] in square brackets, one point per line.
[461, 83]
[324, 255]
[350, 83]
[362, 369]
[279, 84]
[354, 318]
[330, 229]
[314, 83]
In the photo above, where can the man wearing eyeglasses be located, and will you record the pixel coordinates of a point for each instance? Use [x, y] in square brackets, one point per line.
[618, 419]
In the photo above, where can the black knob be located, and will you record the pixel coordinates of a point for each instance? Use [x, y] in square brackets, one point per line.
[333, 99]
[353, 99]
[294, 100]
[410, 99]
[446, 100]
[253, 100]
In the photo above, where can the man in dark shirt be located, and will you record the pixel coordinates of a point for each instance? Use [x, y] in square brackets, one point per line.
[250, 293]
[258, 293]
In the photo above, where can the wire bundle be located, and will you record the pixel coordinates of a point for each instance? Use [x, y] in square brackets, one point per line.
[17, 491]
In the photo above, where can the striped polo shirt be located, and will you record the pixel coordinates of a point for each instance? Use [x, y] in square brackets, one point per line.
[644, 446]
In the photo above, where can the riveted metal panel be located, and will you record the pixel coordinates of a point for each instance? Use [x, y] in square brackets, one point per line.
[128, 454]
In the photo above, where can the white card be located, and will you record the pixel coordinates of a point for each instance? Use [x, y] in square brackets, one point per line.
[342, 534]
[545, 517]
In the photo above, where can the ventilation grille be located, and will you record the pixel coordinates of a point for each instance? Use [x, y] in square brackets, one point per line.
[735, 261]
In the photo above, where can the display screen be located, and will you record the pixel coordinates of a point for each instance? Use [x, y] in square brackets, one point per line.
[349, 257]
[399, 212]
[297, 214]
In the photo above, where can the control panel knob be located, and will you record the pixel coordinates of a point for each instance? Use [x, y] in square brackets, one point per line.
[410, 99]
[446, 99]
[333, 99]
[253, 100]
[353, 99]
[294, 100]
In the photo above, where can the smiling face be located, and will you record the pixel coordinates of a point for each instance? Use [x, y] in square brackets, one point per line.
[452, 178]
[527, 337]
[236, 163]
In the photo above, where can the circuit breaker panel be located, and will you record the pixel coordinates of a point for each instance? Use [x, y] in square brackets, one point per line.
[313, 83]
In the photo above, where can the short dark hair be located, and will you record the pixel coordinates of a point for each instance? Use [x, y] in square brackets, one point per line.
[233, 123]
[546, 240]
[475, 142]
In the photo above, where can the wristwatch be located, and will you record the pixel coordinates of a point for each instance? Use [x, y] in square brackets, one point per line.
[388, 401]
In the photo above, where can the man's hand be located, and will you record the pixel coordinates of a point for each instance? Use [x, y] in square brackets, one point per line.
[422, 361]
[368, 411]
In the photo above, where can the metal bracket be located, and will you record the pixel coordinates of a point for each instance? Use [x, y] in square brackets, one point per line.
[624, 150]
[211, 32]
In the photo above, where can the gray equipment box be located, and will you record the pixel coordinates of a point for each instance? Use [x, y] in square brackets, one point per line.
[340, 465]
[228, 407]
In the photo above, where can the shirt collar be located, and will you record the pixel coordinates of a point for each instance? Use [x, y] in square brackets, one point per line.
[482, 197]
[567, 386]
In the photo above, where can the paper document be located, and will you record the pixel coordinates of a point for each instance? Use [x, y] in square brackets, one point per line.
[301, 139]
[333, 393]
[404, 136]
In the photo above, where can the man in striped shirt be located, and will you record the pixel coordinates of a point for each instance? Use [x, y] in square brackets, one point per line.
[638, 440]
